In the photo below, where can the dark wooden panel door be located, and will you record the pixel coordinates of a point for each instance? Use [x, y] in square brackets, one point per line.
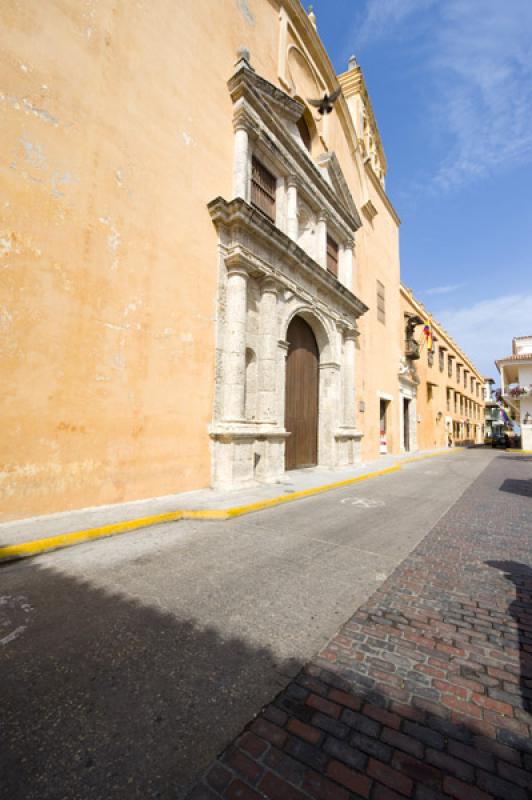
[301, 409]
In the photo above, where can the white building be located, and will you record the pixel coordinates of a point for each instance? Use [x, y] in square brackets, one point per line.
[516, 385]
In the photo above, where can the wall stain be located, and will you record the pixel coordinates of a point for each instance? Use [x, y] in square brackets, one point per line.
[33, 153]
[244, 9]
[67, 426]
[59, 179]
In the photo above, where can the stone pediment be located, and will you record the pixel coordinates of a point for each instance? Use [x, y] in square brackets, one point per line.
[280, 103]
[330, 162]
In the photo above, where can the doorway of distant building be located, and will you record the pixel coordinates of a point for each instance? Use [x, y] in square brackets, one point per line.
[383, 414]
[301, 401]
[406, 424]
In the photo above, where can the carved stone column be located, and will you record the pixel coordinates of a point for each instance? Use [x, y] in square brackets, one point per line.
[321, 240]
[282, 355]
[268, 351]
[291, 209]
[349, 378]
[234, 360]
[241, 160]
[330, 407]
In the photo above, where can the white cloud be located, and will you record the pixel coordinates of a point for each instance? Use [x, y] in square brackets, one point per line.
[485, 58]
[478, 59]
[384, 16]
[485, 329]
[444, 289]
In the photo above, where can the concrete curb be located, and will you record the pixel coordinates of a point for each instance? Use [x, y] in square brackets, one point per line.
[16, 552]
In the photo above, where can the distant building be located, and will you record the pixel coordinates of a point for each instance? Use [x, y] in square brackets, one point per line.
[516, 385]
[441, 390]
[494, 422]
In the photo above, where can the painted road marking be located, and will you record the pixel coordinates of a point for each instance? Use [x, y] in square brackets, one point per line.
[14, 612]
[363, 502]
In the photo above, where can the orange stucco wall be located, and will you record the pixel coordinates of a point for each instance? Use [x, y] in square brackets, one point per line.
[116, 131]
[379, 343]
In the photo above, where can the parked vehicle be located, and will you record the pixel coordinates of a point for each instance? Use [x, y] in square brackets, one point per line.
[500, 440]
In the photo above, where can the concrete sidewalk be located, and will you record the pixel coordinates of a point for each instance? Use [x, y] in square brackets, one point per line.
[39, 534]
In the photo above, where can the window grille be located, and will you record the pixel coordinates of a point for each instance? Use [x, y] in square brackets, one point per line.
[263, 186]
[332, 256]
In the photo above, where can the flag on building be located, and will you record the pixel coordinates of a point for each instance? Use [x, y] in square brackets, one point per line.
[429, 338]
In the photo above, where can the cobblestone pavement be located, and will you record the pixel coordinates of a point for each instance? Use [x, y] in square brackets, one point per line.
[426, 691]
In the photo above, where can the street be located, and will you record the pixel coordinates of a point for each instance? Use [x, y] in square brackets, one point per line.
[129, 664]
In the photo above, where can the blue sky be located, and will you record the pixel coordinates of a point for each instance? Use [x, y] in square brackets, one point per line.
[450, 82]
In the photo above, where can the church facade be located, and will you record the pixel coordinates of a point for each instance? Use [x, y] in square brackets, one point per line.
[202, 281]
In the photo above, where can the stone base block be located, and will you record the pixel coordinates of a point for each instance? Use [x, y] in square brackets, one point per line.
[244, 458]
[348, 447]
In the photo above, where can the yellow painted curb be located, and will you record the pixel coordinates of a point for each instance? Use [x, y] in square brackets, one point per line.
[519, 452]
[17, 551]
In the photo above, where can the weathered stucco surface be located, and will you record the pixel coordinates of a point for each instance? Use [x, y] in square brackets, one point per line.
[119, 131]
[108, 255]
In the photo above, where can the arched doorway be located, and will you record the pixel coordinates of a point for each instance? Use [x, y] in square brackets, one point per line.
[301, 402]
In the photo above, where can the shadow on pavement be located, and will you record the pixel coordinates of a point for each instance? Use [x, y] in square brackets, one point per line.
[521, 610]
[328, 738]
[107, 697]
[514, 486]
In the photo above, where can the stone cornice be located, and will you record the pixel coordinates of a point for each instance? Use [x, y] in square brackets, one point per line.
[247, 222]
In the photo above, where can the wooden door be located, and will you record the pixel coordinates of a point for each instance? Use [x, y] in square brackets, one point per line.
[302, 383]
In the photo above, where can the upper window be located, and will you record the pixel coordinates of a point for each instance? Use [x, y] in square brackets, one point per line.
[307, 127]
[263, 186]
[381, 302]
[441, 356]
[332, 256]
[304, 133]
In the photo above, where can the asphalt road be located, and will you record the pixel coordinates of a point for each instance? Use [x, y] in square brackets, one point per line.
[126, 665]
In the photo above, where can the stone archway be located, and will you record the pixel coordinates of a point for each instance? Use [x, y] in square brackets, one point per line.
[301, 395]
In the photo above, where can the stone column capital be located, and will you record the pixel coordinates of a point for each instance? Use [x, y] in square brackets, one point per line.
[350, 334]
[268, 284]
[292, 182]
[238, 268]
